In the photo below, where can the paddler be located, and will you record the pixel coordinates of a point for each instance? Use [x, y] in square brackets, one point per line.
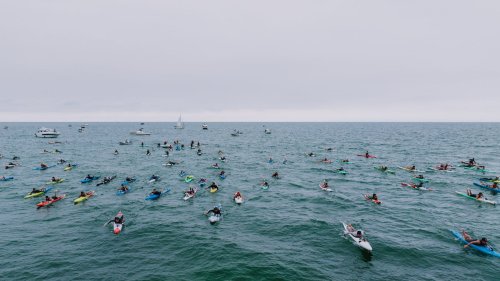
[35, 191]
[123, 188]
[483, 242]
[374, 197]
[47, 198]
[356, 233]
[420, 177]
[82, 194]
[236, 195]
[155, 192]
[43, 165]
[480, 195]
[275, 175]
[324, 184]
[213, 186]
[367, 155]
[216, 211]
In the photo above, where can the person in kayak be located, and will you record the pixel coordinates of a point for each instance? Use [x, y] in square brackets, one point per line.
[420, 177]
[216, 211]
[222, 158]
[310, 154]
[222, 173]
[356, 233]
[345, 161]
[155, 192]
[265, 184]
[36, 190]
[216, 165]
[148, 152]
[57, 151]
[276, 175]
[123, 188]
[54, 179]
[374, 197]
[116, 152]
[367, 155]
[128, 179]
[480, 195]
[483, 242]
[43, 166]
[270, 160]
[325, 160]
[154, 177]
[89, 177]
[324, 184]
[82, 194]
[236, 195]
[472, 162]
[47, 198]
[214, 186]
[189, 192]
[54, 197]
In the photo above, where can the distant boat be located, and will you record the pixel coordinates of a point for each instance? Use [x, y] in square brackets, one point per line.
[267, 131]
[142, 123]
[47, 133]
[180, 124]
[204, 126]
[140, 132]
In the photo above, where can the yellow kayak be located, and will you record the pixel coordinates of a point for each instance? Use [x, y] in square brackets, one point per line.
[81, 199]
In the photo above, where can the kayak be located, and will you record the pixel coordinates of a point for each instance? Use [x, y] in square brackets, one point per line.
[87, 180]
[238, 200]
[374, 201]
[6, 178]
[222, 177]
[117, 227]
[485, 186]
[493, 180]
[213, 190]
[420, 180]
[106, 180]
[56, 181]
[151, 180]
[189, 179]
[344, 162]
[483, 249]
[476, 169]
[42, 192]
[188, 196]
[322, 186]
[364, 155]
[123, 192]
[474, 198]
[82, 199]
[449, 170]
[414, 186]
[9, 166]
[41, 169]
[70, 168]
[156, 196]
[384, 171]
[215, 218]
[48, 203]
[342, 172]
[360, 242]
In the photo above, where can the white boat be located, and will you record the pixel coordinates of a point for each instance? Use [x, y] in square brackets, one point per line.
[180, 124]
[140, 132]
[47, 133]
[360, 242]
[267, 131]
[204, 126]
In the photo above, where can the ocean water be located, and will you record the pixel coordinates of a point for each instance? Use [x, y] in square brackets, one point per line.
[292, 231]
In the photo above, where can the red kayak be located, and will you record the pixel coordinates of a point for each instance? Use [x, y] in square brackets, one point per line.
[48, 203]
[369, 156]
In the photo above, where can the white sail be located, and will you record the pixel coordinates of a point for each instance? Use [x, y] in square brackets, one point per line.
[180, 124]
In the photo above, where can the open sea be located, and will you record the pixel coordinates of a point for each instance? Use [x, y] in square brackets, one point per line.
[291, 231]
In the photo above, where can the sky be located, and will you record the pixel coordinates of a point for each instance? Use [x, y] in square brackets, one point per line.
[320, 60]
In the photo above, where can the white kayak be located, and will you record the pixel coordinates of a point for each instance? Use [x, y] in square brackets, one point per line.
[361, 242]
[188, 196]
[238, 200]
[213, 219]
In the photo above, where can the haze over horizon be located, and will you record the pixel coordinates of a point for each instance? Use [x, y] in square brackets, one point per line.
[272, 61]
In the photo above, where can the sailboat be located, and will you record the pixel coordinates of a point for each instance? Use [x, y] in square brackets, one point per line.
[180, 124]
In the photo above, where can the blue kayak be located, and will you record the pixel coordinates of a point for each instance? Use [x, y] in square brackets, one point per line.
[41, 169]
[486, 187]
[123, 192]
[486, 250]
[6, 178]
[86, 180]
[222, 177]
[156, 196]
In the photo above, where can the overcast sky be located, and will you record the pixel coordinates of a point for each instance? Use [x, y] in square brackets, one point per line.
[249, 60]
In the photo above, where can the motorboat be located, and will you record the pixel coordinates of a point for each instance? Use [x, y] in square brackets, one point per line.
[126, 142]
[140, 132]
[47, 133]
[204, 126]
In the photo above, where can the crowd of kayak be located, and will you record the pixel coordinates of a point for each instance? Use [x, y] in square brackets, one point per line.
[418, 182]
